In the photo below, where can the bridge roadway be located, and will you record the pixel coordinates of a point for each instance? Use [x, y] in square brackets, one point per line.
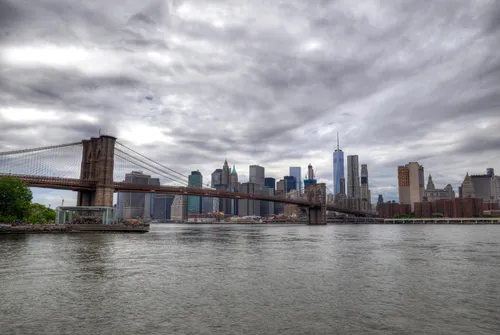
[74, 184]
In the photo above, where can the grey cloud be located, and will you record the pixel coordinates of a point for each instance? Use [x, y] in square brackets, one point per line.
[249, 90]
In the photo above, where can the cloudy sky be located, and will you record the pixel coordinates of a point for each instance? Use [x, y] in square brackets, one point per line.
[266, 82]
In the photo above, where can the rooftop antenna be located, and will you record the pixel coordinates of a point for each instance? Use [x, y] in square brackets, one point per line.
[338, 143]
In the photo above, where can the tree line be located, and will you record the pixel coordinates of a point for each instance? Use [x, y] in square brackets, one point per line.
[16, 205]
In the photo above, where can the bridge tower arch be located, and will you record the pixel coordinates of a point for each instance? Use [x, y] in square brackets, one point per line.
[98, 156]
[317, 212]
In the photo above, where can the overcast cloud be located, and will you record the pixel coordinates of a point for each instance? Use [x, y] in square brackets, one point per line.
[190, 83]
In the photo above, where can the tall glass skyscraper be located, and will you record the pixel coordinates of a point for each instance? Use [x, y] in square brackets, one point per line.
[295, 171]
[338, 167]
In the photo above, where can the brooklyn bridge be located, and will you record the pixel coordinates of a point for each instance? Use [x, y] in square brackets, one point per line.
[94, 168]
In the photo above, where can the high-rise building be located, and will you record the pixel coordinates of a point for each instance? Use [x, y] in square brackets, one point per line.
[468, 188]
[380, 199]
[295, 171]
[194, 202]
[225, 174]
[162, 209]
[280, 186]
[310, 179]
[490, 172]
[248, 207]
[257, 175]
[233, 180]
[342, 186]
[411, 184]
[216, 178]
[179, 208]
[136, 205]
[270, 182]
[366, 202]
[290, 183]
[267, 207]
[338, 168]
[353, 188]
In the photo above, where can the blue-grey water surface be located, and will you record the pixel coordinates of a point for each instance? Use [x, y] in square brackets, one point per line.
[262, 279]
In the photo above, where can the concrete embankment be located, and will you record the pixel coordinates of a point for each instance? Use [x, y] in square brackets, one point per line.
[73, 228]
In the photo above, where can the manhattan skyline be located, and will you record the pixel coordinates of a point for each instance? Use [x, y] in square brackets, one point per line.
[191, 86]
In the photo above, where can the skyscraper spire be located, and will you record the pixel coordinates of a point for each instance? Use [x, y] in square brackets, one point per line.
[338, 143]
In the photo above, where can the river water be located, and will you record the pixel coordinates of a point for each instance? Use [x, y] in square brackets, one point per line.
[261, 279]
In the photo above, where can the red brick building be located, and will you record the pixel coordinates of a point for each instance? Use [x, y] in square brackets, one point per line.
[456, 208]
[391, 209]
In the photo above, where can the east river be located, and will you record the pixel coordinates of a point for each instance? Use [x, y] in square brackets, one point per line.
[262, 279]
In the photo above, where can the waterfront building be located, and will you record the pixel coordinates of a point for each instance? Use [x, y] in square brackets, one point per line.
[353, 188]
[295, 171]
[338, 168]
[136, 205]
[162, 209]
[179, 208]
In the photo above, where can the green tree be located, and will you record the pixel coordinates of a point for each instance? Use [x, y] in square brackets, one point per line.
[41, 214]
[15, 199]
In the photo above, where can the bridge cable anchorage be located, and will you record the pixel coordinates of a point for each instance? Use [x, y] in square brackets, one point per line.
[149, 168]
[163, 166]
[141, 163]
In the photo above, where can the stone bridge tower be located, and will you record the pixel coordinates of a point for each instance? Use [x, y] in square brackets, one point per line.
[97, 165]
[316, 193]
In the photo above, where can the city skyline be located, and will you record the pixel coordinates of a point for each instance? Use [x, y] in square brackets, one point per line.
[179, 94]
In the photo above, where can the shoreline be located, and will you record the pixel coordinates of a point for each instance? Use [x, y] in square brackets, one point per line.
[73, 228]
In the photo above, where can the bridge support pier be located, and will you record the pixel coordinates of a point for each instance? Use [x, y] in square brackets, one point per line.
[97, 164]
[317, 215]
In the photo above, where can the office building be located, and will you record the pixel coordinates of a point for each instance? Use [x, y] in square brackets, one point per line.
[194, 202]
[233, 180]
[310, 178]
[366, 203]
[353, 187]
[162, 209]
[432, 193]
[380, 199]
[216, 178]
[249, 207]
[179, 208]
[267, 207]
[411, 183]
[257, 175]
[295, 171]
[490, 172]
[338, 168]
[136, 205]
[225, 174]
[290, 183]
[280, 187]
[270, 182]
